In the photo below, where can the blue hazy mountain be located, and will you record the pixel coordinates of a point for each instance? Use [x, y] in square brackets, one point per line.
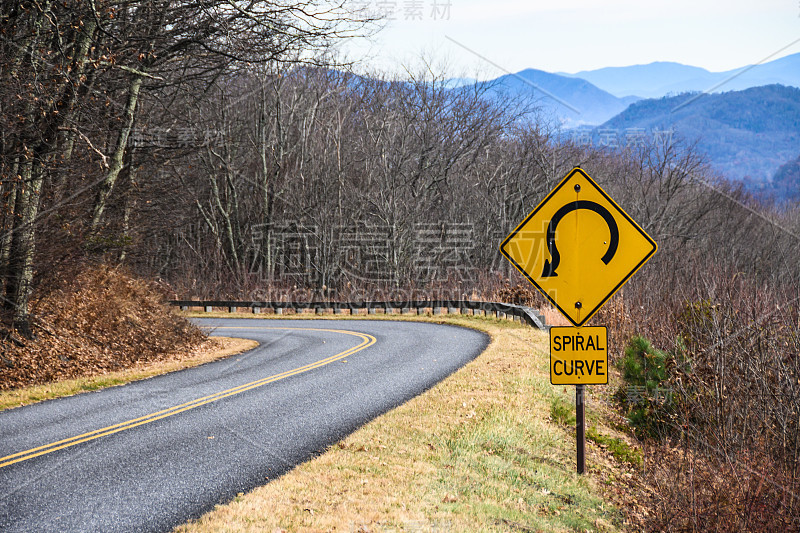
[786, 182]
[568, 101]
[662, 78]
[748, 127]
[454, 83]
[747, 135]
[649, 80]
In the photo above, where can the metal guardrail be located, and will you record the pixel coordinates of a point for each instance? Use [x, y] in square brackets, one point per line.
[521, 313]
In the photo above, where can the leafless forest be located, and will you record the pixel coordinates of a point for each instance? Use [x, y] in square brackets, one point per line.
[221, 149]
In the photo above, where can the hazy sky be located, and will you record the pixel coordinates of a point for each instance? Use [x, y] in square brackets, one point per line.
[574, 35]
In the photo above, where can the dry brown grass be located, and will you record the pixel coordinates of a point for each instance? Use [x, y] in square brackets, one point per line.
[478, 452]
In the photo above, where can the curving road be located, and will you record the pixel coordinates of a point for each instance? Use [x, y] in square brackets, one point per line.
[152, 454]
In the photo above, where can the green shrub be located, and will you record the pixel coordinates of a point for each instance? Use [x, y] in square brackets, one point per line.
[643, 365]
[648, 398]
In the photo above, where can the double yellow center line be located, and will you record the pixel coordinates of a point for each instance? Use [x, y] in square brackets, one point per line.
[366, 341]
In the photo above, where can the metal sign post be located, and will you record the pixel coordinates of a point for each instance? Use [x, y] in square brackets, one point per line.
[580, 426]
[578, 248]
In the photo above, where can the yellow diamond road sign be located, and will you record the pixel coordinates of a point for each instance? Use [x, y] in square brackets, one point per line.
[578, 247]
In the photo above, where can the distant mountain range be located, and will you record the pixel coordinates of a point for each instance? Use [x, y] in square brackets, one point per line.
[748, 126]
[569, 101]
[594, 96]
[747, 135]
[662, 78]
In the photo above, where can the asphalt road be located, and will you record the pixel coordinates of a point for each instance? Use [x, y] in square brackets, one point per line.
[152, 454]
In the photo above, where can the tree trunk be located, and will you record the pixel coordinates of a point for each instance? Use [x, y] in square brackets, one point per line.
[267, 184]
[117, 158]
[128, 184]
[9, 191]
[20, 271]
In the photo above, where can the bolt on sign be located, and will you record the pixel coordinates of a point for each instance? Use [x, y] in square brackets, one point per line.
[578, 247]
[579, 356]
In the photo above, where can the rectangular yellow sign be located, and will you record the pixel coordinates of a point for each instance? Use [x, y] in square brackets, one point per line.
[579, 356]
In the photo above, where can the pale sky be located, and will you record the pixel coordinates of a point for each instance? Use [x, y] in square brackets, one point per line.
[574, 35]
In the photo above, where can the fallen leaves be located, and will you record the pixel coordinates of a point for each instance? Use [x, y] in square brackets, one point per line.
[102, 321]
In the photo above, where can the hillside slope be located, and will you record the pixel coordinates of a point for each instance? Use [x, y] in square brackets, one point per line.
[786, 182]
[747, 134]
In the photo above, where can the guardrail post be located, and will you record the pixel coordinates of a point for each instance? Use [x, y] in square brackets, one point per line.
[370, 310]
[437, 310]
[208, 308]
[232, 308]
[184, 308]
[256, 310]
